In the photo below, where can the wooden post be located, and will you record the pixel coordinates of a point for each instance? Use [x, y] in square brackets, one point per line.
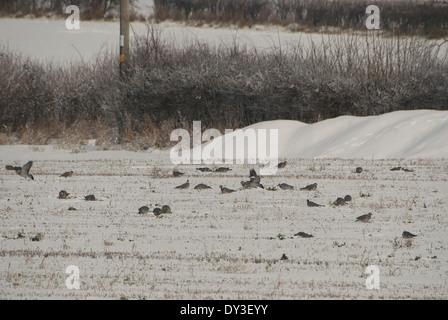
[124, 63]
[124, 36]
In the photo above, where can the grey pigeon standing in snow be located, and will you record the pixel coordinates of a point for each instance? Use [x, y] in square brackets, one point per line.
[226, 190]
[313, 204]
[67, 174]
[143, 210]
[339, 202]
[282, 164]
[177, 173]
[22, 171]
[157, 211]
[63, 194]
[223, 169]
[310, 187]
[90, 197]
[186, 185]
[202, 186]
[304, 235]
[364, 217]
[285, 186]
[408, 235]
[166, 209]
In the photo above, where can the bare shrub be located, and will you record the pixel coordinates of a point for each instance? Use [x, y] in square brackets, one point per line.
[429, 18]
[89, 9]
[168, 87]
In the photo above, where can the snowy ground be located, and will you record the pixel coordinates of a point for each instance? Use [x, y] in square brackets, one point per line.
[226, 246]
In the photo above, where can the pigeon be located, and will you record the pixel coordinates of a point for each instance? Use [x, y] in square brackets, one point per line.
[186, 185]
[408, 235]
[285, 186]
[143, 210]
[282, 164]
[63, 194]
[313, 204]
[339, 202]
[364, 217]
[90, 197]
[395, 169]
[202, 186]
[67, 174]
[166, 209]
[226, 190]
[304, 235]
[310, 187]
[204, 169]
[22, 171]
[157, 211]
[223, 169]
[254, 180]
[358, 170]
[284, 257]
[348, 198]
[177, 173]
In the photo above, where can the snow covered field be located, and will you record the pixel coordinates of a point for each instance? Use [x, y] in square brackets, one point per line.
[48, 40]
[229, 246]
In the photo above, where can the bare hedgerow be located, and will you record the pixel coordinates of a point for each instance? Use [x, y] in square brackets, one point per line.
[428, 18]
[43, 101]
[409, 17]
[224, 86]
[99, 9]
[234, 86]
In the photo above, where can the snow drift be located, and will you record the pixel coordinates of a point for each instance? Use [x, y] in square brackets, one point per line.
[396, 135]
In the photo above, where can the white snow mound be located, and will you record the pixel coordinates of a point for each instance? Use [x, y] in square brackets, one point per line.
[395, 135]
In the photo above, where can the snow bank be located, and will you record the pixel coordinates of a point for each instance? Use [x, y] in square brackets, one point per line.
[396, 135]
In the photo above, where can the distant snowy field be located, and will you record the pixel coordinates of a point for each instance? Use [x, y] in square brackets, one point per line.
[228, 246]
[48, 40]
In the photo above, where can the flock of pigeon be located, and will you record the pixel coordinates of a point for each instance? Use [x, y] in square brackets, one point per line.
[24, 171]
[253, 182]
